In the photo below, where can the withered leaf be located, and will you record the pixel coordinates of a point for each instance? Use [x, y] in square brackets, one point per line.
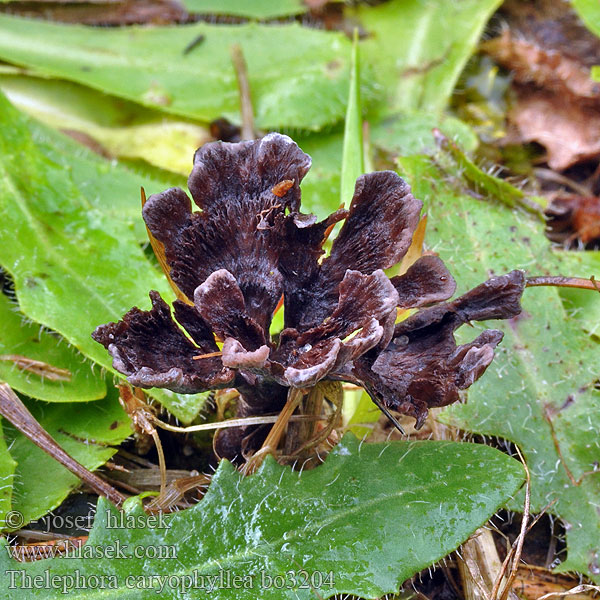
[550, 53]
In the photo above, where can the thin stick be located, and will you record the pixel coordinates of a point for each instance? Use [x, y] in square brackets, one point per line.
[175, 492]
[558, 281]
[324, 434]
[242, 422]
[576, 590]
[142, 418]
[517, 548]
[161, 461]
[12, 409]
[550, 175]
[44, 370]
[539, 516]
[241, 72]
[270, 444]
[314, 406]
[296, 433]
[209, 355]
[471, 557]
[523, 533]
[295, 396]
[383, 408]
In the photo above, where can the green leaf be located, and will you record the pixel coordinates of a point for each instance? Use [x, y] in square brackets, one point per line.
[75, 260]
[412, 133]
[94, 175]
[589, 12]
[582, 305]
[419, 47]
[7, 472]
[403, 134]
[542, 379]
[256, 9]
[87, 432]
[305, 88]
[372, 515]
[358, 411]
[488, 184]
[321, 186]
[20, 338]
[353, 164]
[123, 129]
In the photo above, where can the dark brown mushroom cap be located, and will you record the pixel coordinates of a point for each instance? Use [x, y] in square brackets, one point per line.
[376, 235]
[426, 281]
[328, 301]
[248, 245]
[423, 367]
[153, 351]
[364, 300]
[240, 225]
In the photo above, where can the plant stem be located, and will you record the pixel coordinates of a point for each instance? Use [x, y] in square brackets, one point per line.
[558, 281]
[295, 396]
[241, 72]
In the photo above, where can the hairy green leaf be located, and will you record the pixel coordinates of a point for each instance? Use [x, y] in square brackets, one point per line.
[582, 304]
[21, 339]
[122, 129]
[405, 134]
[419, 47]
[539, 391]
[367, 519]
[94, 176]
[412, 133]
[87, 432]
[75, 260]
[305, 88]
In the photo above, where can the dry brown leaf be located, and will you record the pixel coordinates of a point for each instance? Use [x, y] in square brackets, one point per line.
[550, 53]
[574, 217]
[543, 65]
[533, 583]
[569, 131]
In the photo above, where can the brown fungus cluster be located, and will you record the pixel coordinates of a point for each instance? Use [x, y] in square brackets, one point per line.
[249, 245]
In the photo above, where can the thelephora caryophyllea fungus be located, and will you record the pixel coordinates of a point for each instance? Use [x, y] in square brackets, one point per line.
[249, 245]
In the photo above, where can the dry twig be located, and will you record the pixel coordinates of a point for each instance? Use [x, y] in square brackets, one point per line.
[514, 556]
[241, 72]
[142, 418]
[14, 411]
[37, 367]
[576, 590]
[295, 396]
